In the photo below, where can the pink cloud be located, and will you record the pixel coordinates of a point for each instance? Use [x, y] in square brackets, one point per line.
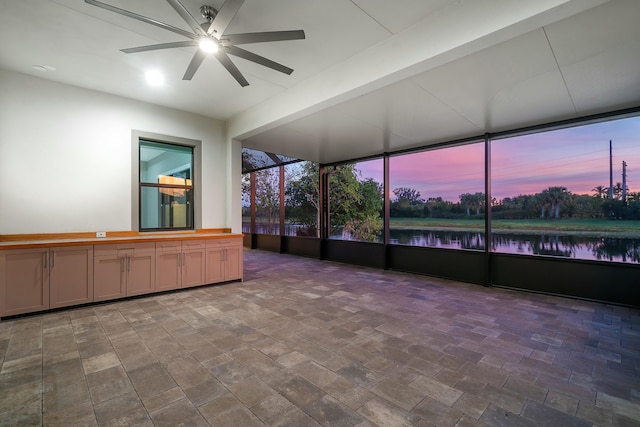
[576, 158]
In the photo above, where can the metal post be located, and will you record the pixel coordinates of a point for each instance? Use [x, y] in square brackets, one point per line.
[324, 208]
[252, 204]
[387, 211]
[283, 239]
[487, 204]
[282, 231]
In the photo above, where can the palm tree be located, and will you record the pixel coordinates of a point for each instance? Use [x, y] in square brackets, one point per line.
[600, 190]
[466, 201]
[475, 201]
[618, 191]
[542, 200]
[478, 202]
[556, 196]
[633, 197]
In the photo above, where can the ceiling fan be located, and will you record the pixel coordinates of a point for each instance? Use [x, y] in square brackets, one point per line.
[211, 38]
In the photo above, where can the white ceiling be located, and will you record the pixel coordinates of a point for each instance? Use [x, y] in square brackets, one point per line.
[371, 76]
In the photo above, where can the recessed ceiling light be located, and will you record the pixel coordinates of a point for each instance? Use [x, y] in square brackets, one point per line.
[154, 77]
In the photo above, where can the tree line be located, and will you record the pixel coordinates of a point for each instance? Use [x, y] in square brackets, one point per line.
[554, 202]
[356, 203]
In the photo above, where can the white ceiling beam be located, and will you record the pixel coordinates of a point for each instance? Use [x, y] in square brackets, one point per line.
[458, 29]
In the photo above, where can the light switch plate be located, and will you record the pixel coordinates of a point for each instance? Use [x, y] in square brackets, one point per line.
[101, 234]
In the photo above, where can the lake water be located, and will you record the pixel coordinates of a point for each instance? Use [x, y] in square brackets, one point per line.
[565, 246]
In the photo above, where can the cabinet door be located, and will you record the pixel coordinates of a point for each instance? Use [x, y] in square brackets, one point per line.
[141, 269]
[109, 277]
[233, 263]
[71, 275]
[168, 271]
[193, 263]
[24, 281]
[215, 270]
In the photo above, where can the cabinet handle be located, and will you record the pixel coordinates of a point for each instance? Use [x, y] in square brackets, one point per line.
[44, 254]
[121, 264]
[179, 260]
[128, 263]
[53, 258]
[183, 257]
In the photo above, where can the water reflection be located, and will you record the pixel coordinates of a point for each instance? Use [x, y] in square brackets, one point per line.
[565, 246]
[438, 239]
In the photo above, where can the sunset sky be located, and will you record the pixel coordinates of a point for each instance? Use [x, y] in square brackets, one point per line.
[576, 158]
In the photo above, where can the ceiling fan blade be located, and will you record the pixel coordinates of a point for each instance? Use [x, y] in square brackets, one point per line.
[140, 18]
[223, 18]
[267, 36]
[195, 63]
[250, 56]
[160, 46]
[231, 68]
[188, 18]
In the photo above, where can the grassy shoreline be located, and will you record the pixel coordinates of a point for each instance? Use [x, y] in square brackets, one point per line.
[594, 228]
[579, 227]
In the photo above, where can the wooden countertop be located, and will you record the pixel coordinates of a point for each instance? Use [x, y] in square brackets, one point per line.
[142, 237]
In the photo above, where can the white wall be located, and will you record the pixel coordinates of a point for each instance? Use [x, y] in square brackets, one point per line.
[65, 157]
[234, 176]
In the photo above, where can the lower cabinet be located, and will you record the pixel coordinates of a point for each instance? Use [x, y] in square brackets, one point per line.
[233, 262]
[70, 275]
[38, 279]
[168, 266]
[24, 281]
[61, 276]
[224, 260]
[180, 264]
[194, 263]
[122, 270]
[141, 269]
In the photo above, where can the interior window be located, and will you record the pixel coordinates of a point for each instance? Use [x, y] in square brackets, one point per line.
[166, 186]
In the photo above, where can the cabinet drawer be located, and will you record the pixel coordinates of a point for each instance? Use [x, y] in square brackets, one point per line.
[193, 245]
[219, 243]
[115, 249]
[168, 247]
[141, 248]
[105, 250]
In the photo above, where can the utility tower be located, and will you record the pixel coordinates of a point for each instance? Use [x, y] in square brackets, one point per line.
[610, 171]
[624, 181]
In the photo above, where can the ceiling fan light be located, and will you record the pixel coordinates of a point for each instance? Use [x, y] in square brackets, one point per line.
[208, 45]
